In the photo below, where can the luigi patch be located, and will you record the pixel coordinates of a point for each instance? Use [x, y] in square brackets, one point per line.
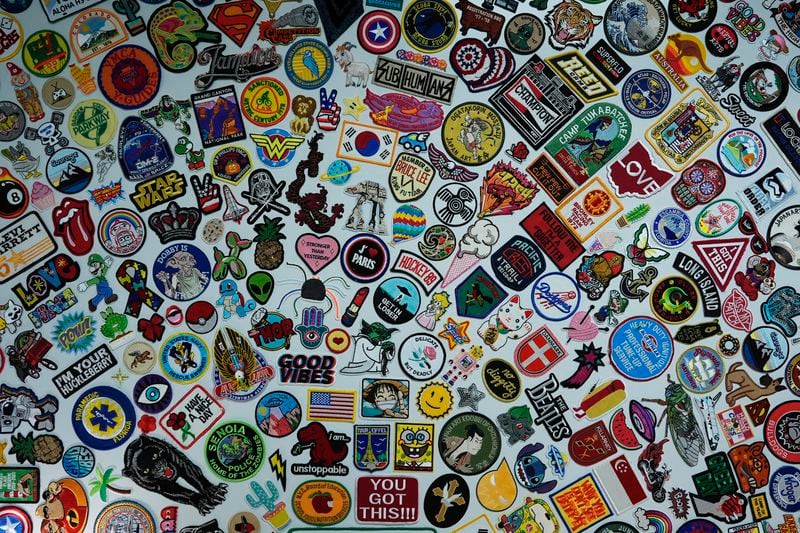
[478, 295]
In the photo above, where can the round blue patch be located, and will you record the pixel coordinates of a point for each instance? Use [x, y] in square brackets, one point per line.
[555, 296]
[741, 152]
[699, 525]
[646, 93]
[15, 6]
[103, 418]
[784, 488]
[641, 348]
[182, 272]
[78, 461]
[277, 154]
[184, 358]
[152, 393]
[672, 227]
[309, 64]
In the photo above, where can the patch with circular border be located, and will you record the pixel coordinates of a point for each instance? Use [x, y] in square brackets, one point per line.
[646, 93]
[321, 503]
[15, 6]
[152, 393]
[46, 53]
[641, 348]
[184, 358]
[502, 380]
[455, 204]
[129, 76]
[182, 272]
[58, 93]
[396, 300]
[277, 149]
[234, 451]
[778, 430]
[718, 218]
[765, 349]
[463, 145]
[618, 527]
[699, 525]
[125, 515]
[121, 232]
[440, 515]
[692, 17]
[671, 227]
[338, 340]
[524, 33]
[794, 73]
[741, 152]
[721, 40]
[139, 357]
[95, 31]
[635, 34]
[379, 32]
[265, 101]
[469, 443]
[763, 86]
[792, 375]
[784, 247]
[92, 124]
[429, 25]
[16, 519]
[14, 196]
[434, 400]
[422, 357]
[674, 299]
[700, 369]
[555, 296]
[69, 170]
[364, 258]
[278, 414]
[13, 36]
[309, 64]
[14, 124]
[78, 461]
[103, 418]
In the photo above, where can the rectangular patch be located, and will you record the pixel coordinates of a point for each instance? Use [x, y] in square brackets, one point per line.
[159, 190]
[536, 102]
[606, 59]
[334, 405]
[23, 243]
[550, 179]
[382, 499]
[785, 134]
[413, 79]
[201, 412]
[59, 9]
[88, 368]
[204, 103]
[19, 484]
[418, 269]
[552, 236]
[581, 504]
[589, 209]
[349, 149]
[395, 5]
[579, 74]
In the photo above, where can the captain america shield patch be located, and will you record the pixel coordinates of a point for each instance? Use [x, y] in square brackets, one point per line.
[379, 32]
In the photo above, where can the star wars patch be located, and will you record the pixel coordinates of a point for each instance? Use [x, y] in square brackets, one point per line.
[550, 178]
[415, 80]
[418, 269]
[602, 56]
[219, 119]
[265, 101]
[364, 258]
[589, 209]
[410, 177]
[429, 26]
[159, 190]
[191, 417]
[581, 76]
[472, 133]
[231, 164]
[143, 151]
[235, 19]
[689, 267]
[553, 236]
[478, 294]
[321, 503]
[371, 447]
[687, 129]
[581, 504]
[26, 237]
[129, 76]
[103, 418]
[784, 133]
[536, 102]
[367, 143]
[763, 86]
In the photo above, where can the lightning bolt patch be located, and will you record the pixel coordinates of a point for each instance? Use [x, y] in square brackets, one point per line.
[278, 466]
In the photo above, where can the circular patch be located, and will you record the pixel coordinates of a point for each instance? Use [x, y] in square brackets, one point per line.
[619, 527]
[182, 272]
[12, 35]
[231, 164]
[784, 243]
[339, 172]
[741, 152]
[793, 71]
[765, 349]
[502, 380]
[792, 375]
[58, 93]
[473, 133]
[69, 170]
[379, 32]
[276, 158]
[129, 76]
[674, 299]
[46, 53]
[78, 461]
[92, 124]
[524, 34]
[455, 204]
[699, 525]
[12, 121]
[692, 17]
[728, 345]
[721, 40]
[265, 101]
[437, 243]
[700, 369]
[278, 414]
[672, 227]
[321, 503]
[396, 300]
[646, 93]
[429, 25]
[338, 341]
[201, 317]
[555, 296]
[446, 516]
[641, 348]
[121, 232]
[234, 451]
[783, 488]
[15, 519]
[103, 418]
[422, 357]
[15, 6]
[763, 86]
[184, 358]
[125, 516]
[781, 434]
[434, 400]
[635, 28]
[14, 197]
[244, 522]
[309, 64]
[212, 231]
[139, 357]
[152, 393]
[364, 258]
[469, 443]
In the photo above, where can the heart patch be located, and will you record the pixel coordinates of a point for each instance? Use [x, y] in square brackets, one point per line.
[482, 68]
[317, 252]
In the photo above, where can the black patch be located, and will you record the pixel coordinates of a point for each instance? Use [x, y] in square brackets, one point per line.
[337, 16]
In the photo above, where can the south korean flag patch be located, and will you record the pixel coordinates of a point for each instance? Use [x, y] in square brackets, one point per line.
[367, 143]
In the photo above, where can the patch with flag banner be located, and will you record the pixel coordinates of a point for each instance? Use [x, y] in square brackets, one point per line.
[368, 144]
[335, 406]
[538, 353]
[620, 484]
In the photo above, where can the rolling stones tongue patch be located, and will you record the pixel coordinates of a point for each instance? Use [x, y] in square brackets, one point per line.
[73, 223]
[482, 68]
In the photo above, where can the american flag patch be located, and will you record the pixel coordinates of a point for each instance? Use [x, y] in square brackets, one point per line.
[339, 406]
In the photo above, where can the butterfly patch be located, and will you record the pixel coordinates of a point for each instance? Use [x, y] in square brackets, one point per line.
[640, 252]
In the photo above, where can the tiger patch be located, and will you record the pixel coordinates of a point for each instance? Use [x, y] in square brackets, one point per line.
[571, 25]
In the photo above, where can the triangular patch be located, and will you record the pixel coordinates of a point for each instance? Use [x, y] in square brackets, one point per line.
[721, 257]
[758, 411]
